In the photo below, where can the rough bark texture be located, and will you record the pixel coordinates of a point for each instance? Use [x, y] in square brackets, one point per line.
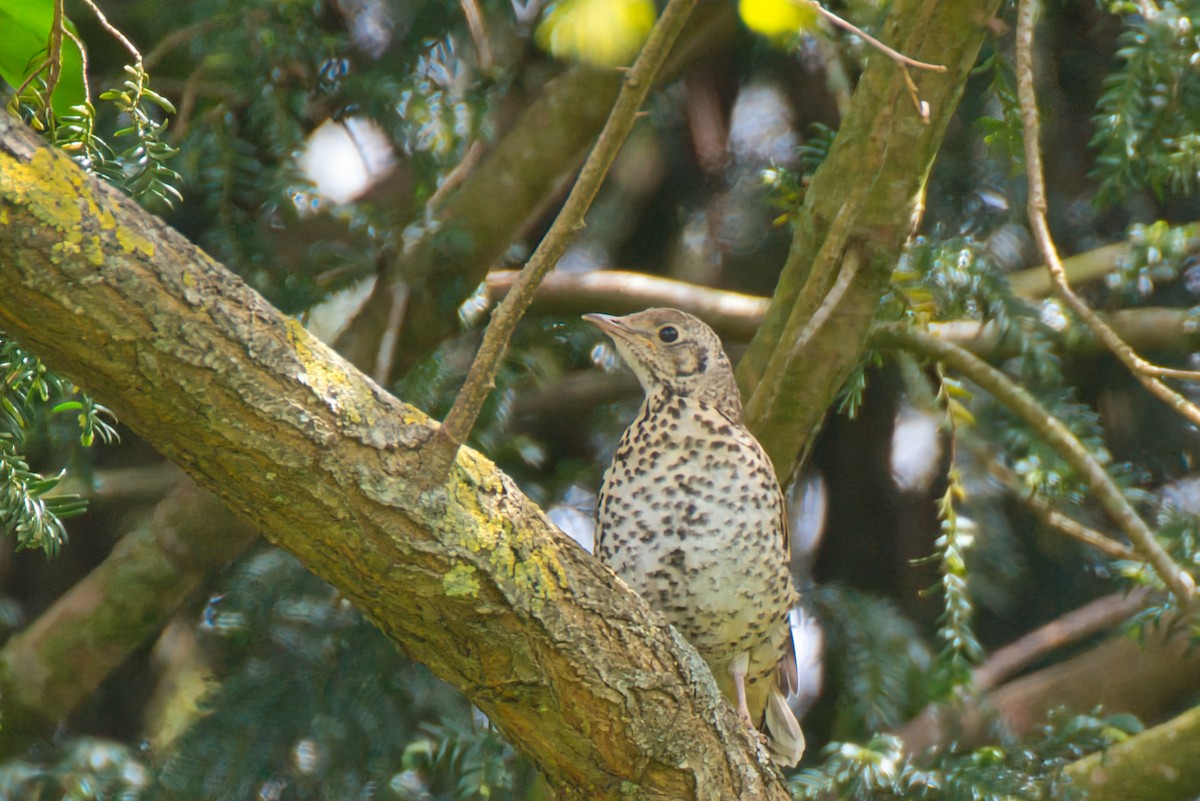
[462, 571]
[859, 211]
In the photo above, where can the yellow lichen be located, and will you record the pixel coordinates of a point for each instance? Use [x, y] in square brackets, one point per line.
[461, 581]
[326, 376]
[131, 242]
[530, 569]
[46, 185]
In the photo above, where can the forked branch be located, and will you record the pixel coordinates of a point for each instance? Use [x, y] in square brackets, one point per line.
[1148, 374]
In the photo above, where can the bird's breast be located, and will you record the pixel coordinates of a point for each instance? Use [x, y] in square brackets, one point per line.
[690, 516]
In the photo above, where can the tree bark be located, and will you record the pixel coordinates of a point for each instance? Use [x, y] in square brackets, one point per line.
[1158, 764]
[462, 571]
[859, 211]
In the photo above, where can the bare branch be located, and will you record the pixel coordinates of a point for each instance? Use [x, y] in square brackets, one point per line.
[481, 377]
[154, 569]
[736, 316]
[1093, 618]
[1147, 374]
[895, 55]
[1059, 437]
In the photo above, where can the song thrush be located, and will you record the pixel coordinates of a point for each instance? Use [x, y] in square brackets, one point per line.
[691, 516]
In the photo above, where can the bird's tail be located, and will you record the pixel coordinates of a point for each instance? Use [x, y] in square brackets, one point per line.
[785, 739]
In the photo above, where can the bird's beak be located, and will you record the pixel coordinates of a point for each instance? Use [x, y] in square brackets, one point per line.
[613, 326]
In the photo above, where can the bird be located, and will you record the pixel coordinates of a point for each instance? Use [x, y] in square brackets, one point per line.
[691, 516]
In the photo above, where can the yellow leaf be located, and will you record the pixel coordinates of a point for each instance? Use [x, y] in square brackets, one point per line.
[606, 33]
[781, 21]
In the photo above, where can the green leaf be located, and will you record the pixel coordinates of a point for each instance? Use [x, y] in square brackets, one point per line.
[26, 27]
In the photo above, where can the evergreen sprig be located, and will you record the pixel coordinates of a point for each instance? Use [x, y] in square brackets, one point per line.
[879, 662]
[28, 508]
[1157, 253]
[880, 770]
[1147, 117]
[145, 175]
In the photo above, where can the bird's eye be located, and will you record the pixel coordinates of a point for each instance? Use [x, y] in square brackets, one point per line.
[668, 333]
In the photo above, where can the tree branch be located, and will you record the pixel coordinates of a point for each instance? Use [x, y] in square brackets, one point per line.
[737, 317]
[465, 573]
[481, 378]
[465, 236]
[883, 152]
[113, 611]
[1159, 763]
[1147, 374]
[1145, 677]
[1058, 436]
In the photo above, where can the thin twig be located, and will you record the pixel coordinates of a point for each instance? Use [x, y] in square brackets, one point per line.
[731, 314]
[83, 60]
[176, 38]
[52, 62]
[894, 55]
[638, 80]
[456, 176]
[1055, 433]
[1078, 624]
[113, 32]
[54, 56]
[1146, 373]
[1056, 520]
[391, 333]
[478, 32]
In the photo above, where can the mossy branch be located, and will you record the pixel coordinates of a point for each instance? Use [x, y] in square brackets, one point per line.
[464, 572]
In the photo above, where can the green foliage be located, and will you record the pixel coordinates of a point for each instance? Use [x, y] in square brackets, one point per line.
[879, 769]
[1157, 254]
[85, 769]
[850, 398]
[465, 762]
[25, 62]
[146, 173]
[961, 649]
[28, 508]
[1147, 118]
[879, 662]
[283, 75]
[66, 113]
[313, 702]
[1004, 131]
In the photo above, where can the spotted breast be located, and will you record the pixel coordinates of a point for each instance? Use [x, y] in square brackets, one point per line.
[691, 516]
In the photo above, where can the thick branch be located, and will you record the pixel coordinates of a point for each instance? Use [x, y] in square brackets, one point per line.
[466, 575]
[1159, 763]
[859, 210]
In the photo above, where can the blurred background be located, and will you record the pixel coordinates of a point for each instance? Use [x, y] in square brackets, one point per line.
[375, 167]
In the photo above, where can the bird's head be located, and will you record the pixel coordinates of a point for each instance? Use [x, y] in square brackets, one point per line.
[673, 351]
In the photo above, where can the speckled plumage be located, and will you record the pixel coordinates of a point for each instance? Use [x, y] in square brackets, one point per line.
[691, 516]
